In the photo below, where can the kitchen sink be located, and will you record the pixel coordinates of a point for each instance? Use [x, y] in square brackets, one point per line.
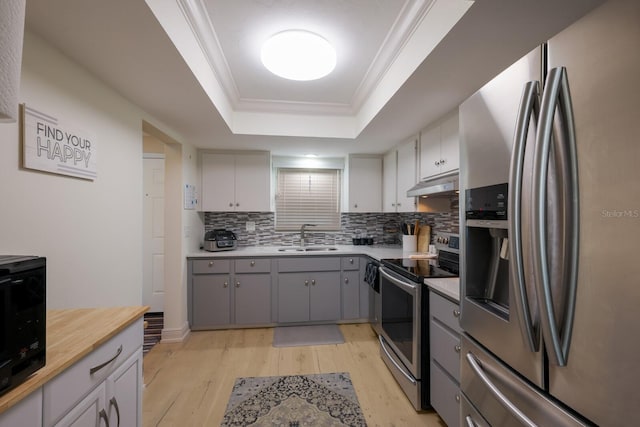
[307, 249]
[320, 248]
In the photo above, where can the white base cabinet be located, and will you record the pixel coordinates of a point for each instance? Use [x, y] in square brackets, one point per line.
[27, 413]
[102, 389]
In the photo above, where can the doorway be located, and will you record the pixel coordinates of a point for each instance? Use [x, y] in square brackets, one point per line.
[153, 232]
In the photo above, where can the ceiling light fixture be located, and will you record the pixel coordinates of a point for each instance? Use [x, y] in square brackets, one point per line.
[298, 55]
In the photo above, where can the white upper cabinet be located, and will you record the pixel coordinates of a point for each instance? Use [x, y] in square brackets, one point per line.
[399, 175]
[236, 182]
[440, 147]
[365, 184]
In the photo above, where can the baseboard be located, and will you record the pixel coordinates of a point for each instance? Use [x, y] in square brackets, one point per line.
[175, 334]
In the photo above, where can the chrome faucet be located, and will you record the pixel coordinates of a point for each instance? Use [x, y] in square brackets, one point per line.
[303, 237]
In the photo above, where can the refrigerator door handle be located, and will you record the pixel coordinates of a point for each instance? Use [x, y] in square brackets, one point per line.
[556, 94]
[513, 409]
[529, 106]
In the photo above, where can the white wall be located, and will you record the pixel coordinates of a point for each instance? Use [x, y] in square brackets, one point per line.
[90, 231]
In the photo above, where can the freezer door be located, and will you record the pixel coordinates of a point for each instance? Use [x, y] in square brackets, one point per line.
[488, 121]
[502, 397]
[601, 379]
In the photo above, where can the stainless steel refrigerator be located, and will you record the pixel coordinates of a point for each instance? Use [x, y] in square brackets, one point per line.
[550, 232]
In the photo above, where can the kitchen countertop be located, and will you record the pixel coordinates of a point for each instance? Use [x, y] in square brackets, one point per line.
[71, 335]
[374, 251]
[449, 287]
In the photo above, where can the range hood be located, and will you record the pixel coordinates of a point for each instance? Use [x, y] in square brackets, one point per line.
[446, 185]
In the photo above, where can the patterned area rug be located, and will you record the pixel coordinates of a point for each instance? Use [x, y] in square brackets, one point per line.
[294, 401]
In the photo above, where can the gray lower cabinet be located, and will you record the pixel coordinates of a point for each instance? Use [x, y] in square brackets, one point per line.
[210, 302]
[351, 288]
[252, 294]
[228, 292]
[309, 289]
[444, 341]
[224, 292]
[308, 296]
[351, 295]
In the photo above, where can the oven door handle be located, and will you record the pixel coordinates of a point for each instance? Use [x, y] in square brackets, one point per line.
[406, 286]
[398, 367]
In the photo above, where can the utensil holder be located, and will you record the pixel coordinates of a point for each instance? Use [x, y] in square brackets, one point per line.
[409, 243]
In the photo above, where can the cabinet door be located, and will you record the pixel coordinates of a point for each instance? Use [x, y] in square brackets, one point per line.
[293, 297]
[211, 300]
[252, 294]
[406, 176]
[351, 294]
[445, 396]
[252, 183]
[218, 182]
[450, 144]
[324, 296]
[89, 412]
[430, 151]
[365, 184]
[389, 171]
[124, 393]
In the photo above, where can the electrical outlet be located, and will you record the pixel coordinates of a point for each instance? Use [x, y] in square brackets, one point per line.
[251, 226]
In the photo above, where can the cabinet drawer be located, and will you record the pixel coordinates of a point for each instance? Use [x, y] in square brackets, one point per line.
[304, 263]
[445, 311]
[445, 396]
[210, 266]
[253, 265]
[70, 387]
[445, 348]
[351, 263]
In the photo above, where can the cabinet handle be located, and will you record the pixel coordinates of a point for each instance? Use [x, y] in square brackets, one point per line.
[442, 162]
[210, 263]
[102, 365]
[458, 398]
[225, 285]
[456, 312]
[355, 206]
[237, 284]
[237, 204]
[346, 280]
[113, 402]
[457, 348]
[313, 282]
[230, 205]
[253, 263]
[306, 283]
[437, 163]
[351, 260]
[103, 415]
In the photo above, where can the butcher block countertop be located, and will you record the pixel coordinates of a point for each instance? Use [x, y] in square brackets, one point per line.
[71, 335]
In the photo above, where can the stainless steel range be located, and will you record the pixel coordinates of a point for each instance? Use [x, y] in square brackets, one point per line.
[404, 343]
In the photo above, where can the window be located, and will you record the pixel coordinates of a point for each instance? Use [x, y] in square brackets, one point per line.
[308, 196]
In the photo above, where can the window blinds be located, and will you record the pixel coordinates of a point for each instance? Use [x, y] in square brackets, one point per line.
[308, 196]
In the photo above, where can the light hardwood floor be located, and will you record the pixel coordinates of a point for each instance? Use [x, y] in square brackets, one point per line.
[188, 384]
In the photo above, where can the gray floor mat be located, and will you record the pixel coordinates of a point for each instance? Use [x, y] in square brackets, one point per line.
[292, 336]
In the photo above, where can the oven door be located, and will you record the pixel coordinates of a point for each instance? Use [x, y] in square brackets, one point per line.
[401, 313]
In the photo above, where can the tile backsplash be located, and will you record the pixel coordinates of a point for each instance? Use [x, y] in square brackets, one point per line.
[383, 227]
